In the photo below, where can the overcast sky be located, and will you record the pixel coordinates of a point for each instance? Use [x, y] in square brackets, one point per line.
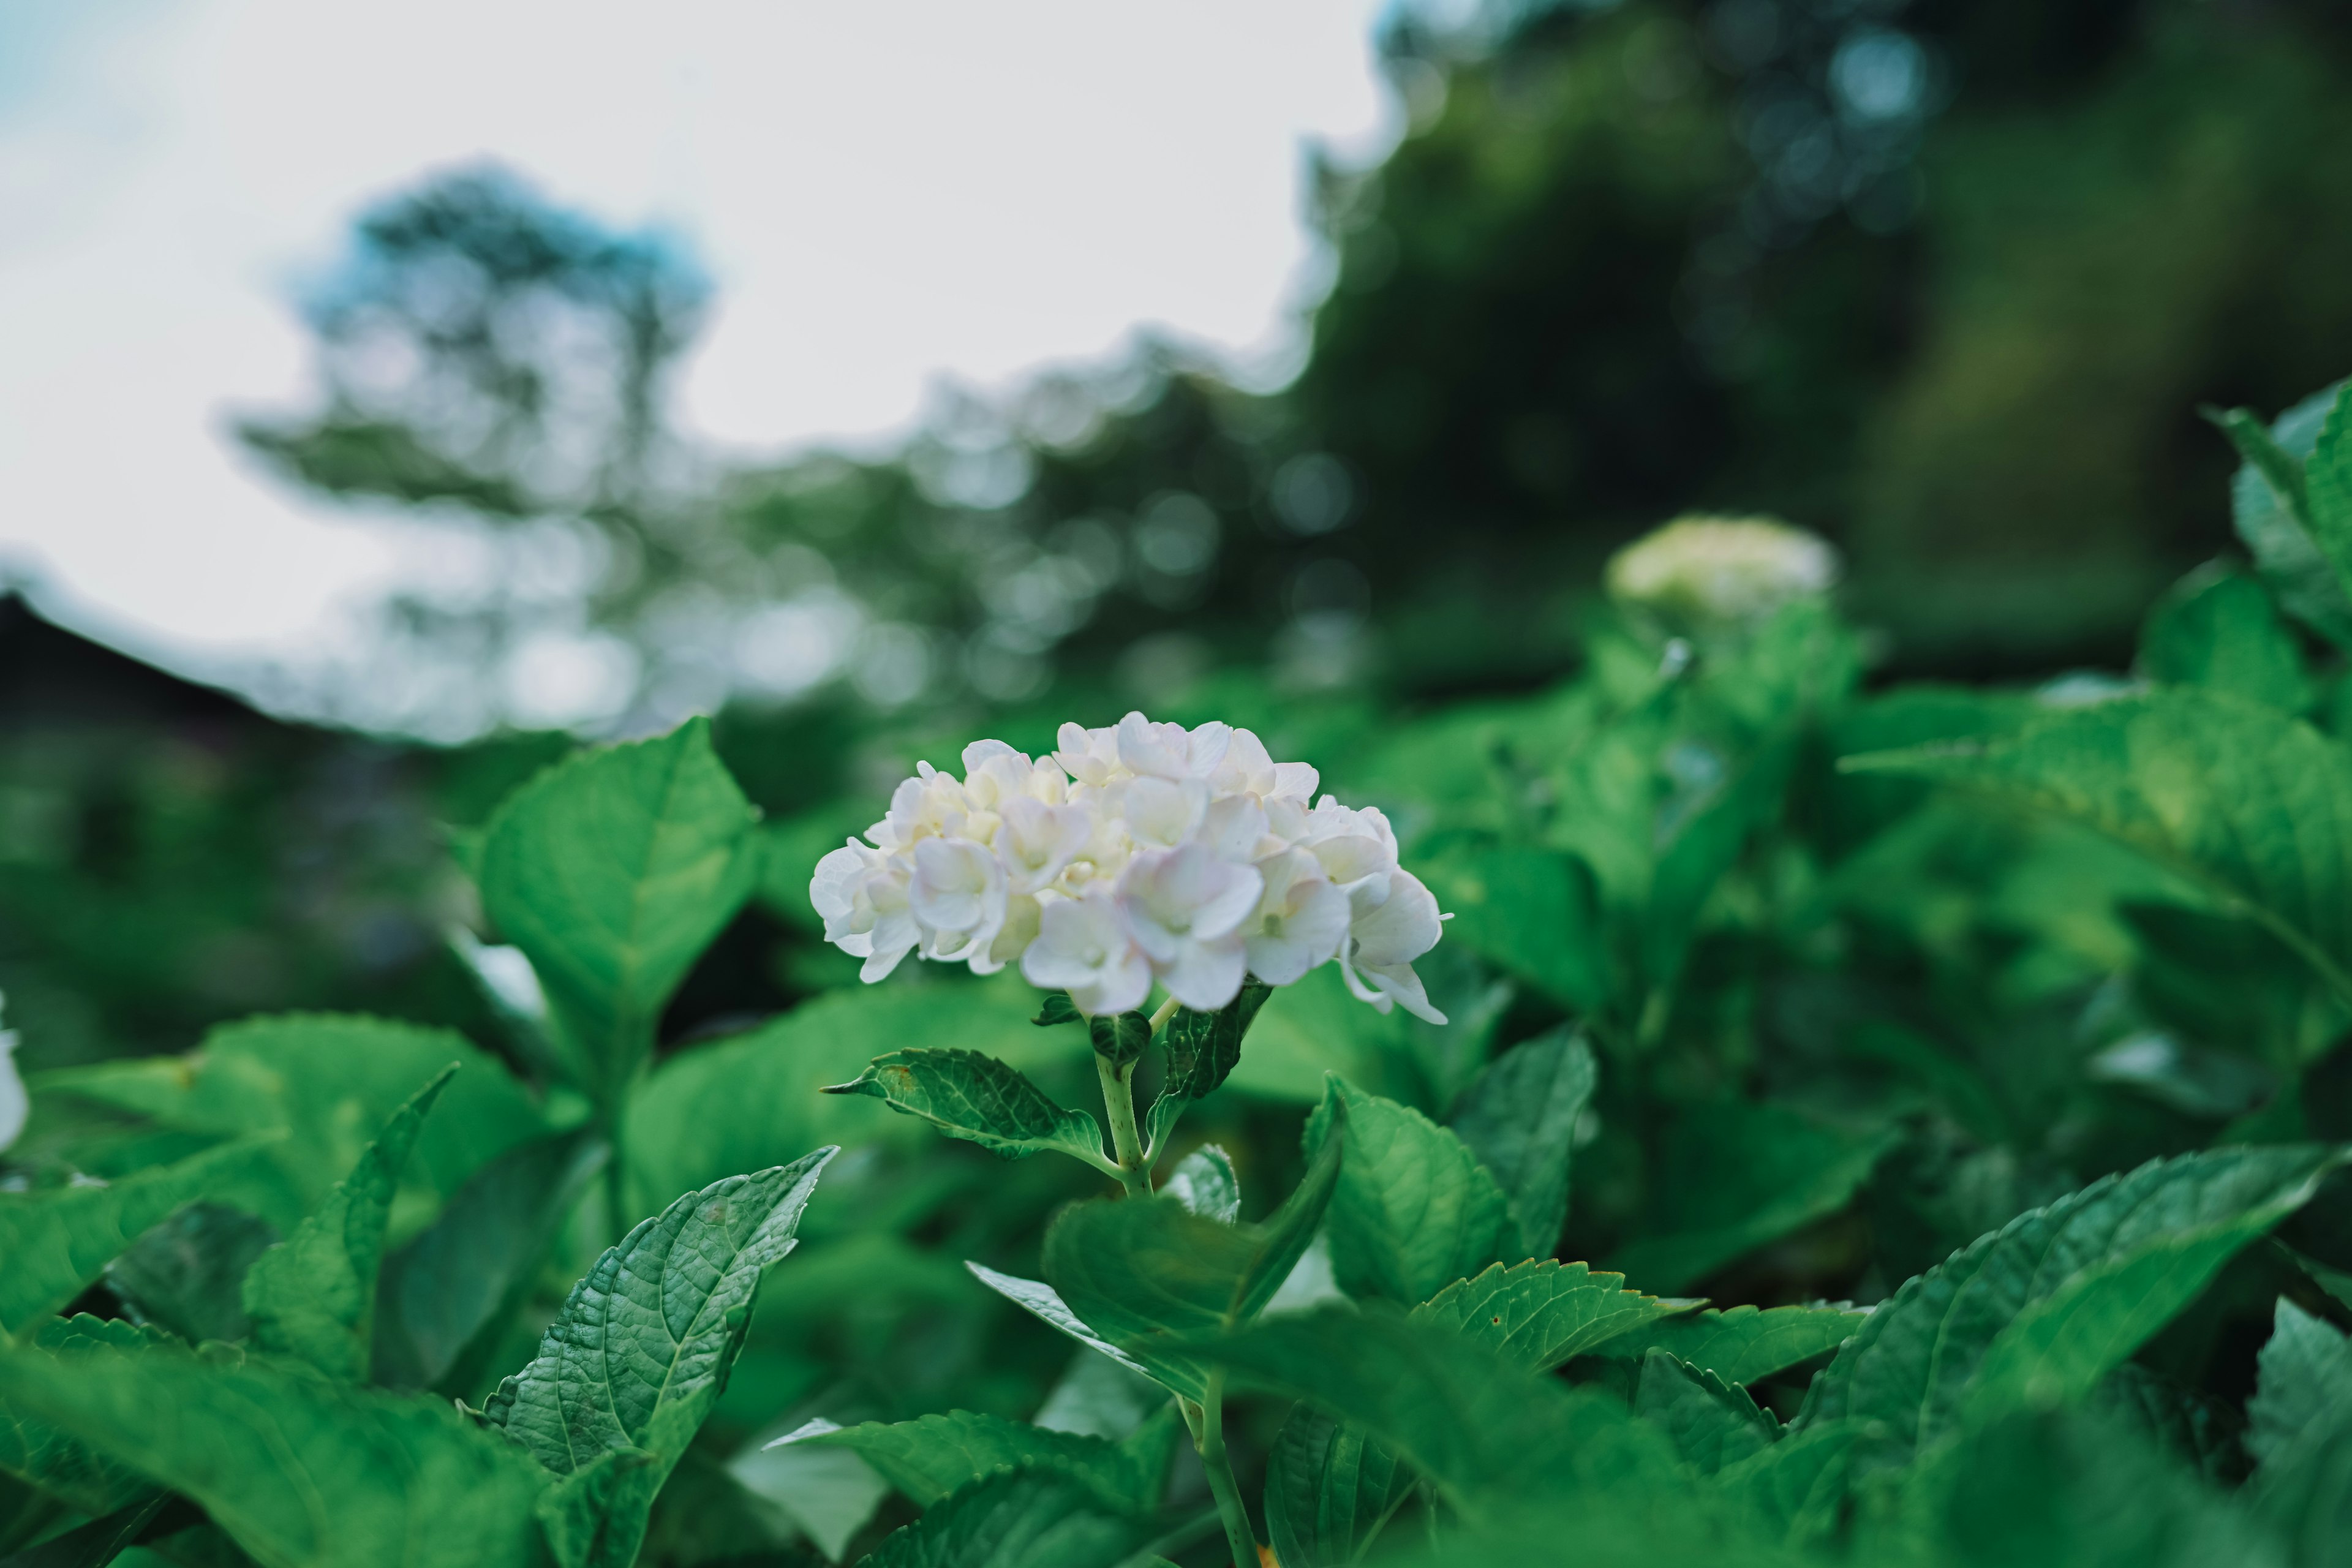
[886, 192]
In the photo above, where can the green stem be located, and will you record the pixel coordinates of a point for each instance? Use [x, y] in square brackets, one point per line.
[1118, 1105]
[1211, 1441]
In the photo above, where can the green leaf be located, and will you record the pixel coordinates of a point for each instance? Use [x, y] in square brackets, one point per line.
[2073, 1489]
[2276, 467]
[1539, 1314]
[1795, 1491]
[445, 1294]
[1486, 1434]
[750, 1101]
[1740, 1344]
[1415, 1210]
[596, 1516]
[1535, 913]
[95, 1544]
[613, 872]
[1058, 1008]
[1119, 1041]
[2038, 1311]
[2219, 630]
[2268, 503]
[2194, 1428]
[1520, 1120]
[829, 1494]
[1142, 1273]
[1732, 1176]
[300, 1472]
[931, 1456]
[313, 1295]
[326, 1083]
[1097, 1396]
[643, 1346]
[57, 1240]
[1030, 1518]
[187, 1274]
[1205, 1183]
[1044, 1303]
[63, 1467]
[2304, 1391]
[979, 1100]
[2252, 805]
[1203, 1048]
[1329, 1490]
[2327, 482]
[1711, 1423]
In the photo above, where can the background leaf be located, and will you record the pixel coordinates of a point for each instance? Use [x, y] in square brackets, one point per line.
[187, 1274]
[613, 872]
[1519, 1118]
[1731, 1176]
[1413, 1210]
[2219, 630]
[313, 1295]
[326, 1083]
[1329, 1490]
[46, 1456]
[933, 1456]
[1031, 1518]
[2254, 806]
[2118, 1258]
[1741, 1345]
[56, 1241]
[301, 1473]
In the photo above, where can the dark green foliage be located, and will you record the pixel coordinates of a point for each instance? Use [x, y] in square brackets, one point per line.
[1952, 1081]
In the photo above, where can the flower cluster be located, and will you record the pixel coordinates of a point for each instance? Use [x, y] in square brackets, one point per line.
[1722, 569]
[1140, 853]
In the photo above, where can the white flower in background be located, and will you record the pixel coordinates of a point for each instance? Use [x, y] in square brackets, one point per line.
[1722, 569]
[1141, 853]
[15, 1103]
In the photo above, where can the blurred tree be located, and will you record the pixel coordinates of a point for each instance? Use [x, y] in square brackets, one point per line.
[1847, 260]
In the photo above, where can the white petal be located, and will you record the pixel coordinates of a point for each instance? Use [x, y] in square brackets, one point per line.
[1402, 929]
[1279, 960]
[1162, 811]
[1233, 827]
[1295, 780]
[880, 966]
[1149, 750]
[976, 755]
[1399, 981]
[1205, 976]
[834, 887]
[15, 1104]
[1119, 986]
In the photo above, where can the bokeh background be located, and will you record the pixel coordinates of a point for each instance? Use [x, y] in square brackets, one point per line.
[1308, 372]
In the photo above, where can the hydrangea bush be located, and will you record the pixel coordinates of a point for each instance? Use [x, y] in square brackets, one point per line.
[2023, 1016]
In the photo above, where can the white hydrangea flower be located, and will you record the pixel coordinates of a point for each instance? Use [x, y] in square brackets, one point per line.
[1722, 569]
[1138, 854]
[15, 1105]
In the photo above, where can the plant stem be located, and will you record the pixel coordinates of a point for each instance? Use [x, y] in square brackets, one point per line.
[1211, 1441]
[1119, 1104]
